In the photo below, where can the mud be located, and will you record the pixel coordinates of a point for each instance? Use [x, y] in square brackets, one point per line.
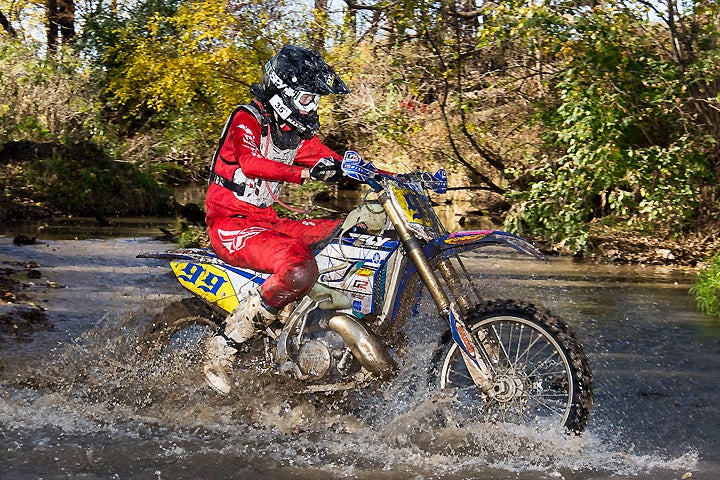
[19, 323]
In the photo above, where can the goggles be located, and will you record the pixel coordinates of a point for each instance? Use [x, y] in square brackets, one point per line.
[304, 101]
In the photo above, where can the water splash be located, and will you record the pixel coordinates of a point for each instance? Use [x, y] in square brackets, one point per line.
[99, 391]
[84, 404]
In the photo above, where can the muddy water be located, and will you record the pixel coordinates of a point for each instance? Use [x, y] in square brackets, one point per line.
[77, 401]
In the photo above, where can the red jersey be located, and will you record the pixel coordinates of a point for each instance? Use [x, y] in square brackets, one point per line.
[248, 169]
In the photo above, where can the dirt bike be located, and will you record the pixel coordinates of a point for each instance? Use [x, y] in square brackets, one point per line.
[503, 360]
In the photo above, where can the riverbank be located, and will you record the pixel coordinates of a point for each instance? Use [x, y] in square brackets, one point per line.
[628, 248]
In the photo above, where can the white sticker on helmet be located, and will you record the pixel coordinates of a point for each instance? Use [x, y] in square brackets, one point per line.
[274, 77]
[280, 107]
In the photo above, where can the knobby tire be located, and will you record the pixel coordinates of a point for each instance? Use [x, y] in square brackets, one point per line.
[544, 369]
[174, 318]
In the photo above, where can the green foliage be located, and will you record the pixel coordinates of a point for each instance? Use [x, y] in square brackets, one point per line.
[626, 152]
[47, 100]
[78, 180]
[193, 236]
[706, 288]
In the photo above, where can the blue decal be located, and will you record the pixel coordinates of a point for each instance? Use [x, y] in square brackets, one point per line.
[414, 206]
[212, 283]
[376, 258]
[192, 272]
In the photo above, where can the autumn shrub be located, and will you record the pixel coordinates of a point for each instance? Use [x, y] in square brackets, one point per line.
[57, 152]
[393, 115]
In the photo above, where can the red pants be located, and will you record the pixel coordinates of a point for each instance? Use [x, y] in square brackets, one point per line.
[280, 247]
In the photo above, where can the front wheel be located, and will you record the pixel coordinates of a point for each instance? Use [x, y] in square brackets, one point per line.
[540, 370]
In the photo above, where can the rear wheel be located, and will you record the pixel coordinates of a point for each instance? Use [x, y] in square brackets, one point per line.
[179, 325]
[541, 373]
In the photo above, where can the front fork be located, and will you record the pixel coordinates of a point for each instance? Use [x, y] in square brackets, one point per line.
[474, 356]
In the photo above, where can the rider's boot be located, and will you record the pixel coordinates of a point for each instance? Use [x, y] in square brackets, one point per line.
[252, 315]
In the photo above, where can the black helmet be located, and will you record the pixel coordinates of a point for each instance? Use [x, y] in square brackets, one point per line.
[293, 82]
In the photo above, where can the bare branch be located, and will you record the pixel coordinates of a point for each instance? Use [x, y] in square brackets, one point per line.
[7, 26]
[358, 6]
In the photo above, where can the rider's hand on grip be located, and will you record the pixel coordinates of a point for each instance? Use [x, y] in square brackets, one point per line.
[326, 170]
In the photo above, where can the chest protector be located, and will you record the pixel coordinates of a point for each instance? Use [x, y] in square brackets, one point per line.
[256, 191]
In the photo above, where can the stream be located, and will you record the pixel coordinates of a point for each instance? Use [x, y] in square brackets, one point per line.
[77, 402]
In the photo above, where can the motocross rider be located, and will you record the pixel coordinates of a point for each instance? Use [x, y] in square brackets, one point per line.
[270, 141]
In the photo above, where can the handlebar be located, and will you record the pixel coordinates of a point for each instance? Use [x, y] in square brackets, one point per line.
[364, 171]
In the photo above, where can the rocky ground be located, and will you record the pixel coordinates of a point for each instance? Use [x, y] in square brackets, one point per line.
[22, 318]
[617, 247]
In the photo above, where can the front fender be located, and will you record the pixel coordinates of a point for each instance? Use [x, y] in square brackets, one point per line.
[410, 286]
[463, 241]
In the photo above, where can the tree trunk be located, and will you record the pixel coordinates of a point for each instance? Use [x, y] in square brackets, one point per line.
[66, 20]
[319, 26]
[5, 23]
[350, 25]
[60, 24]
[51, 28]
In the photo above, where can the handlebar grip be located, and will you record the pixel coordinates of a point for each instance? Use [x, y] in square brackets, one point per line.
[372, 183]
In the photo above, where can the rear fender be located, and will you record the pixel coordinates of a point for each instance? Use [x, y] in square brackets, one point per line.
[197, 255]
[201, 272]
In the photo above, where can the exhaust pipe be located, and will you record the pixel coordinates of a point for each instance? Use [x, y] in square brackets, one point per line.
[363, 344]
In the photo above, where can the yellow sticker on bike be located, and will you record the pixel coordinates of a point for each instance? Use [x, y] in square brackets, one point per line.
[208, 281]
[411, 206]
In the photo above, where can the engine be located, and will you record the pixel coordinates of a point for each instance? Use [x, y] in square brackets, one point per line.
[324, 353]
[332, 345]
